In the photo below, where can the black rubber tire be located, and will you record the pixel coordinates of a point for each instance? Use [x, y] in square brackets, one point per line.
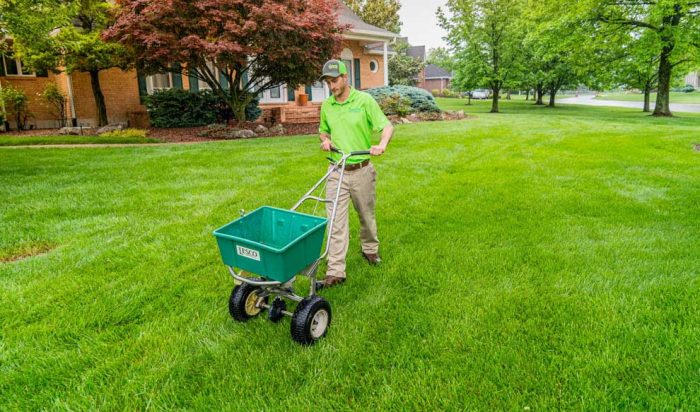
[275, 312]
[236, 303]
[303, 319]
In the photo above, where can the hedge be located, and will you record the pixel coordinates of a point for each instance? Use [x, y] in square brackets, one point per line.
[182, 108]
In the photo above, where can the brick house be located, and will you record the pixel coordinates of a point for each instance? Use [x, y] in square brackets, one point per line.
[432, 77]
[365, 52]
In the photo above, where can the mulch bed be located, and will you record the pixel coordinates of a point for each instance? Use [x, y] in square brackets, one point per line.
[192, 134]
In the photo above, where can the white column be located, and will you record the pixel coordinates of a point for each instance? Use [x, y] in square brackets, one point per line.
[386, 64]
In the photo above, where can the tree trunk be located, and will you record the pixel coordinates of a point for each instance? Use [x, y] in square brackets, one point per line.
[99, 98]
[663, 106]
[494, 100]
[508, 94]
[539, 90]
[647, 98]
[552, 96]
[527, 95]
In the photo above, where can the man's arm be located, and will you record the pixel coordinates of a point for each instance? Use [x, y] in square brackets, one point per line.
[324, 131]
[326, 142]
[387, 133]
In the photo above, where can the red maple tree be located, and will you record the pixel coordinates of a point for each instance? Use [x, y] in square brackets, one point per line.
[253, 44]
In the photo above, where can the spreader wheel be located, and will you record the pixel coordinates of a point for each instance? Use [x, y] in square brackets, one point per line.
[243, 303]
[311, 320]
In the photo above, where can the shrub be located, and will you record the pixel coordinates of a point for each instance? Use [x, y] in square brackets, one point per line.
[182, 108]
[56, 100]
[16, 105]
[125, 133]
[420, 100]
[435, 92]
[395, 104]
[688, 88]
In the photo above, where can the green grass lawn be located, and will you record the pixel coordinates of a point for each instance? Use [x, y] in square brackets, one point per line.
[537, 259]
[676, 97]
[52, 140]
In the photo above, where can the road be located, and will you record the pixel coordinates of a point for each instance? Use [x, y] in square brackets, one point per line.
[589, 100]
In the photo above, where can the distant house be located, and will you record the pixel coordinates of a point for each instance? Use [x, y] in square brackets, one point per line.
[432, 77]
[693, 79]
[365, 52]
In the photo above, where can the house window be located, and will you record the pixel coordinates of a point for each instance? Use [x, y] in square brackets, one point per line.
[347, 57]
[275, 92]
[161, 81]
[373, 66]
[204, 85]
[14, 67]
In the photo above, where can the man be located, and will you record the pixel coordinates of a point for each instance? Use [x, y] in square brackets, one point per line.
[348, 119]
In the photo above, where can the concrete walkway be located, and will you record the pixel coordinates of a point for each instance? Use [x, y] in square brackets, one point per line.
[589, 100]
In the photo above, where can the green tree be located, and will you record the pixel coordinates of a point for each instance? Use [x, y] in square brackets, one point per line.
[440, 57]
[52, 34]
[56, 102]
[671, 29]
[16, 104]
[380, 13]
[486, 41]
[638, 65]
[404, 69]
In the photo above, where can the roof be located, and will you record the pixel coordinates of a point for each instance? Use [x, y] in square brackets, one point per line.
[358, 26]
[436, 72]
[378, 48]
[417, 52]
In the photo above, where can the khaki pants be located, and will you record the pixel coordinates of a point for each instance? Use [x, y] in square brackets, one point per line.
[358, 186]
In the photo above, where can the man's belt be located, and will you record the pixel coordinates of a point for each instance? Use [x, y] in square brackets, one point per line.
[355, 166]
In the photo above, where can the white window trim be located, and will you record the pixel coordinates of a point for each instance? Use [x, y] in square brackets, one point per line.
[376, 65]
[149, 83]
[266, 98]
[203, 85]
[19, 68]
[347, 55]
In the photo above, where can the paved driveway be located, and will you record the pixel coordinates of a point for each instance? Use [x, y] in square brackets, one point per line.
[589, 100]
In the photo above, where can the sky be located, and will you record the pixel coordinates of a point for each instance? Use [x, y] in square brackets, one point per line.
[420, 24]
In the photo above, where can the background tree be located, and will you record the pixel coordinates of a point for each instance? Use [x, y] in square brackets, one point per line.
[440, 57]
[638, 66]
[238, 47]
[485, 40]
[674, 27]
[56, 101]
[380, 13]
[404, 69]
[52, 34]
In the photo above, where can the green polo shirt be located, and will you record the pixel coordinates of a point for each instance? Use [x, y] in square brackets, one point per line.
[352, 123]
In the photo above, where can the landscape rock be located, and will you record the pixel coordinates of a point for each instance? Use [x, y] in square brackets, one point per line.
[241, 134]
[76, 131]
[261, 129]
[111, 127]
[277, 130]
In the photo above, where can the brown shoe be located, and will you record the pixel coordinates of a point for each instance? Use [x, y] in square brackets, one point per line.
[372, 258]
[330, 281]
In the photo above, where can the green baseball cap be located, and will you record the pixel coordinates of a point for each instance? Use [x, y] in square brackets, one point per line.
[333, 68]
